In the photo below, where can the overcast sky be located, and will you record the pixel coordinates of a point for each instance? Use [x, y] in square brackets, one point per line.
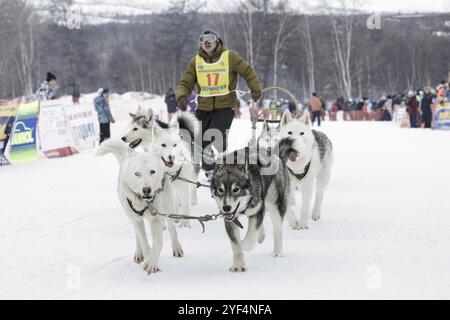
[304, 5]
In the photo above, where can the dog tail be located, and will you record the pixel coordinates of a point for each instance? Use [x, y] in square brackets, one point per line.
[115, 146]
[189, 123]
[287, 149]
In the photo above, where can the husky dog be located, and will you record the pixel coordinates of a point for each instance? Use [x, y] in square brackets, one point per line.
[167, 144]
[182, 134]
[268, 137]
[141, 130]
[312, 166]
[250, 188]
[141, 179]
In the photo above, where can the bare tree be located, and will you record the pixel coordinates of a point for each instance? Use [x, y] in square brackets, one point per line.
[306, 35]
[342, 20]
[284, 30]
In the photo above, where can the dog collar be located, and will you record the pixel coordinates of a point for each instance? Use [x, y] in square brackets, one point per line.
[248, 206]
[176, 175]
[300, 176]
[138, 212]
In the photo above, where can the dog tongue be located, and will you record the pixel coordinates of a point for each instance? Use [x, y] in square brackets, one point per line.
[293, 155]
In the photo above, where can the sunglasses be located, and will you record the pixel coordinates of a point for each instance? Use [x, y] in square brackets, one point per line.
[207, 38]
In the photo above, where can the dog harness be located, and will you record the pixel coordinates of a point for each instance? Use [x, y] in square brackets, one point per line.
[300, 176]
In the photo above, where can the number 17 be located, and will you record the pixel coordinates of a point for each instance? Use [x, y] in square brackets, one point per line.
[216, 79]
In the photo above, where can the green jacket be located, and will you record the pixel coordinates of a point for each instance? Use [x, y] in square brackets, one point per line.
[238, 66]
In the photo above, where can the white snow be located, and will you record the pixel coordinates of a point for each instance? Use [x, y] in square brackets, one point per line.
[384, 232]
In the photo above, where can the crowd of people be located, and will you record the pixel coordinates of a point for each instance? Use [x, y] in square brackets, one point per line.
[419, 105]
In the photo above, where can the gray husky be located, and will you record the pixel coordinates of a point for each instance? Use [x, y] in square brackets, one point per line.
[250, 182]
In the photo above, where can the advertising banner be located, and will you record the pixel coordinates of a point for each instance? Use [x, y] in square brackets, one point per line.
[53, 134]
[7, 116]
[23, 141]
[442, 117]
[81, 125]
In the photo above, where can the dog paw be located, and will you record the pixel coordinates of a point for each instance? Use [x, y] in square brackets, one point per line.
[277, 254]
[303, 225]
[295, 225]
[177, 252]
[138, 257]
[151, 268]
[184, 224]
[241, 268]
[315, 216]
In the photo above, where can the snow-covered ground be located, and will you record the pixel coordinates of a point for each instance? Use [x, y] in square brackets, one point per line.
[384, 232]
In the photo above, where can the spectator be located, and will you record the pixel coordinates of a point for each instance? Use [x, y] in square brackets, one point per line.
[340, 103]
[447, 95]
[348, 109]
[273, 109]
[171, 102]
[425, 107]
[365, 109]
[105, 117]
[379, 111]
[266, 108]
[388, 105]
[385, 114]
[76, 94]
[284, 105]
[323, 111]
[316, 108]
[441, 91]
[359, 110]
[412, 109]
[292, 108]
[333, 111]
[47, 88]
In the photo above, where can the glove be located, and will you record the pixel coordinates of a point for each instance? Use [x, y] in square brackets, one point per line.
[183, 103]
[256, 96]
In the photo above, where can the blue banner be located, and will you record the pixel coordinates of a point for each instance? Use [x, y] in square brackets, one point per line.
[442, 117]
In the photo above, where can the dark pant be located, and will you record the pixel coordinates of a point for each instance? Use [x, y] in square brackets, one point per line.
[426, 118]
[221, 120]
[105, 132]
[413, 121]
[316, 115]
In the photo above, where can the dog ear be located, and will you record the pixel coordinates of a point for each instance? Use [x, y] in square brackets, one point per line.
[175, 125]
[305, 118]
[132, 115]
[286, 118]
[157, 130]
[149, 115]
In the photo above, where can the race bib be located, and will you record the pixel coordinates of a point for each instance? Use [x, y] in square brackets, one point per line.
[213, 78]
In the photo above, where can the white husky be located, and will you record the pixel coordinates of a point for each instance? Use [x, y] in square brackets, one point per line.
[312, 167]
[142, 179]
[168, 145]
[173, 144]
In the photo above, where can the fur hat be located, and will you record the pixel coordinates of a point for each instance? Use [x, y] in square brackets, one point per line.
[50, 76]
